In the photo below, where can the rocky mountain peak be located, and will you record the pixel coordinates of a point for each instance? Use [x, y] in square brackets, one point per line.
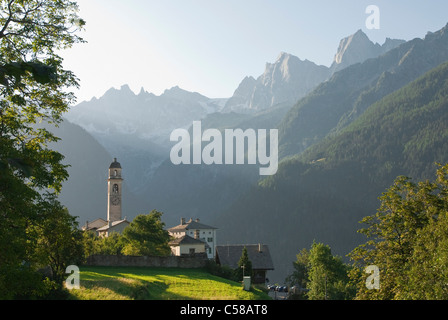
[285, 80]
[123, 91]
[289, 78]
[357, 48]
[354, 48]
[180, 94]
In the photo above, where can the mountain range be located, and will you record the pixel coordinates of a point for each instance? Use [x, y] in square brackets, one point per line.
[135, 128]
[346, 131]
[289, 78]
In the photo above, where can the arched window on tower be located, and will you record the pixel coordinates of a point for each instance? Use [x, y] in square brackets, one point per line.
[115, 188]
[115, 173]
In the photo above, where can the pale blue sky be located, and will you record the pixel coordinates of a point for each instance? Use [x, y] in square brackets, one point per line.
[209, 46]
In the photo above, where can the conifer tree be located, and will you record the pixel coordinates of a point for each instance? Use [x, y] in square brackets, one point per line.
[244, 265]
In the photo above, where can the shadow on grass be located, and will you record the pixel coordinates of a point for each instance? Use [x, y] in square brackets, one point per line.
[125, 289]
[134, 283]
[111, 283]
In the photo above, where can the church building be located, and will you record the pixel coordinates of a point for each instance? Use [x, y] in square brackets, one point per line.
[114, 222]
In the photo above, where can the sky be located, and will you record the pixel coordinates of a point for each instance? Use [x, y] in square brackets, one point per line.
[209, 46]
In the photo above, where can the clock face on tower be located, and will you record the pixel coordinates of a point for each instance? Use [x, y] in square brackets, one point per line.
[115, 200]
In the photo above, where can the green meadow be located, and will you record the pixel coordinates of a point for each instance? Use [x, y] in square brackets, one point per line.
[131, 283]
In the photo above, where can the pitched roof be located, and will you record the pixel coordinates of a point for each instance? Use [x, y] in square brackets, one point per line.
[229, 255]
[113, 224]
[95, 224]
[185, 240]
[190, 225]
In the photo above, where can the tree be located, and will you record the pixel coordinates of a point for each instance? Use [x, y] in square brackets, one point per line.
[33, 90]
[407, 240]
[146, 236]
[301, 268]
[33, 86]
[59, 241]
[428, 274]
[299, 279]
[322, 275]
[244, 265]
[328, 277]
[90, 243]
[111, 245]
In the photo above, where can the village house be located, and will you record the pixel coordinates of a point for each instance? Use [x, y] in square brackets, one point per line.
[229, 255]
[187, 245]
[111, 227]
[94, 225]
[192, 237]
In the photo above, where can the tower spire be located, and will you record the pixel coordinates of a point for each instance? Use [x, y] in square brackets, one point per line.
[114, 192]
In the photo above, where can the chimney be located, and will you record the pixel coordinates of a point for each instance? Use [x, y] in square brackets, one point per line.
[182, 221]
[197, 220]
[260, 248]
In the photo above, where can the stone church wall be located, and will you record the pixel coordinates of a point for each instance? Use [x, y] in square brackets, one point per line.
[156, 262]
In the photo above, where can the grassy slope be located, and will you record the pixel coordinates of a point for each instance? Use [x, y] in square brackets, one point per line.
[125, 283]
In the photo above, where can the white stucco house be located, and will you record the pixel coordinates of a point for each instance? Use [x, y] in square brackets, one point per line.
[191, 237]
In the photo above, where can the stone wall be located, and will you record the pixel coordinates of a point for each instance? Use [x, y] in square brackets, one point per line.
[137, 261]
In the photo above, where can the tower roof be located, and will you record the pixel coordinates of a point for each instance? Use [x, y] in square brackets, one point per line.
[115, 164]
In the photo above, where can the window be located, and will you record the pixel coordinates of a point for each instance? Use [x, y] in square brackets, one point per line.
[209, 239]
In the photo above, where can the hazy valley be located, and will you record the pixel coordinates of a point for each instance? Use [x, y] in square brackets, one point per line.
[345, 133]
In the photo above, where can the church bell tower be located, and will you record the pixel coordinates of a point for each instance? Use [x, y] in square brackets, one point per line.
[114, 192]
